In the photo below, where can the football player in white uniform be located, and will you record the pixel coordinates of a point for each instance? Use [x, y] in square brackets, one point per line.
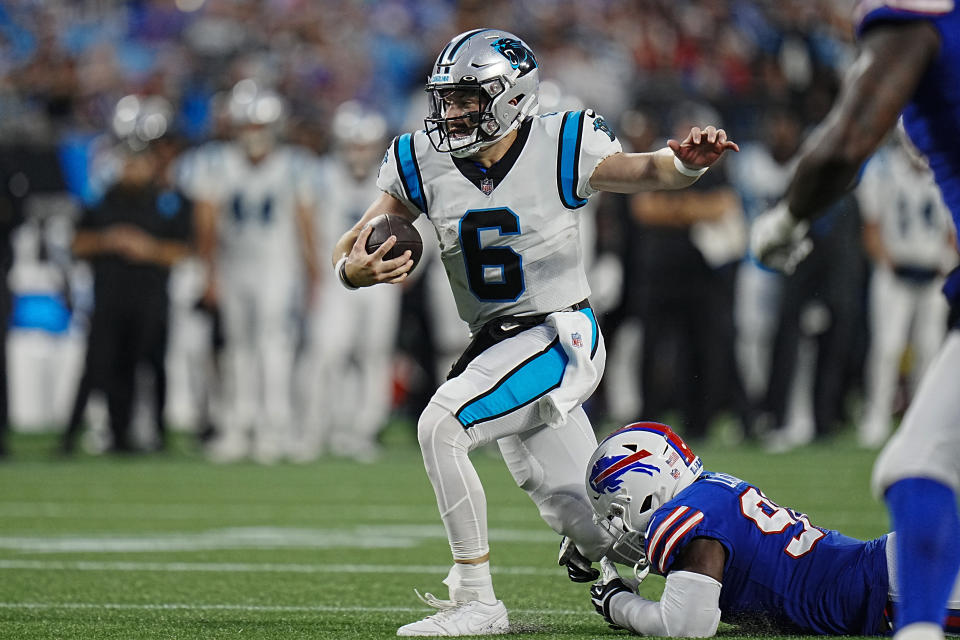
[909, 237]
[503, 186]
[255, 233]
[352, 335]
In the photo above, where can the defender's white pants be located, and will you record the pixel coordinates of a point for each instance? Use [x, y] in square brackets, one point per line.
[899, 310]
[927, 444]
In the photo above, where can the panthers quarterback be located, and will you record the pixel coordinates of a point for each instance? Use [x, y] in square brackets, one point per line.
[728, 551]
[909, 62]
[502, 186]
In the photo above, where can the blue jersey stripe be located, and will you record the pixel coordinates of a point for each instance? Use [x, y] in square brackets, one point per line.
[533, 379]
[567, 161]
[410, 172]
[596, 331]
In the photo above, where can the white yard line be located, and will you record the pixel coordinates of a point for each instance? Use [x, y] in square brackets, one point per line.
[256, 567]
[257, 510]
[176, 606]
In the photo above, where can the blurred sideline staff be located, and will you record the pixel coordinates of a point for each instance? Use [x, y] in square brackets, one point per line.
[10, 216]
[132, 238]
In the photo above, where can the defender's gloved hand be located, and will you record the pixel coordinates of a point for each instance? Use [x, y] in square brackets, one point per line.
[608, 586]
[778, 240]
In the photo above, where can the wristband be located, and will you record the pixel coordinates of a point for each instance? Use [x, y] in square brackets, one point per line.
[687, 171]
[342, 274]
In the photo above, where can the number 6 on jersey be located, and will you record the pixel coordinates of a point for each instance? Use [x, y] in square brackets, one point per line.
[495, 274]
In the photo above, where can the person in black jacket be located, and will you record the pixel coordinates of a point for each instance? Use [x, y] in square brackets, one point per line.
[132, 238]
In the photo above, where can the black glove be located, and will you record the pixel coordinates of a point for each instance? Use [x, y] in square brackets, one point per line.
[579, 568]
[600, 595]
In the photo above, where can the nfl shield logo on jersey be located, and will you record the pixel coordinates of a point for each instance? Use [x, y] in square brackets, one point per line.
[486, 185]
[576, 339]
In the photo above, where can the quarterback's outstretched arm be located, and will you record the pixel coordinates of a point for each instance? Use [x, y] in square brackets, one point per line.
[675, 166]
[875, 90]
[364, 269]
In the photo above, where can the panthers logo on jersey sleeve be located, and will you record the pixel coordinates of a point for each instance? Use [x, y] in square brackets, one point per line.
[585, 141]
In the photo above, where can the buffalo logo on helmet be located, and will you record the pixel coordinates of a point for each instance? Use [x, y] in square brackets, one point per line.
[607, 473]
[519, 56]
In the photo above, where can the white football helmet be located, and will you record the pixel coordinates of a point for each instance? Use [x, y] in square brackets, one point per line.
[139, 120]
[257, 115]
[494, 71]
[633, 472]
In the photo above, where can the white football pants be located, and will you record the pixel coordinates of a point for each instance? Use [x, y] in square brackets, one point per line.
[257, 313]
[927, 444]
[899, 310]
[352, 341]
[500, 396]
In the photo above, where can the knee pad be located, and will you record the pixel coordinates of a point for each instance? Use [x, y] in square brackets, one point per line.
[437, 428]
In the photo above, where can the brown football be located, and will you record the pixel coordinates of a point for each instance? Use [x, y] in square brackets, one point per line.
[408, 238]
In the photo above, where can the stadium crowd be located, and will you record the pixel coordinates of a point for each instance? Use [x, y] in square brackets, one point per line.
[695, 330]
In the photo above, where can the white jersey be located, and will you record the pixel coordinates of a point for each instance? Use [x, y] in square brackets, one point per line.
[905, 201]
[345, 199]
[257, 221]
[509, 236]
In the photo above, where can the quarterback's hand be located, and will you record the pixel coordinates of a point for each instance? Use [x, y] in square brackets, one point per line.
[608, 586]
[778, 240]
[702, 147]
[365, 269]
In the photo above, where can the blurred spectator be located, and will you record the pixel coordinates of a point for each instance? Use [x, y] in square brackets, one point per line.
[908, 235]
[692, 242]
[132, 238]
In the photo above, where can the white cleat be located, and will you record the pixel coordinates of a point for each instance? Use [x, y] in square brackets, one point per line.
[471, 618]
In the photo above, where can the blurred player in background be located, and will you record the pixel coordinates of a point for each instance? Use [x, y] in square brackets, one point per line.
[502, 186]
[908, 234]
[909, 61]
[728, 552]
[255, 235]
[352, 336]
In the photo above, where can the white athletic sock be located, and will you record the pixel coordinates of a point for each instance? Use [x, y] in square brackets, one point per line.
[920, 631]
[471, 582]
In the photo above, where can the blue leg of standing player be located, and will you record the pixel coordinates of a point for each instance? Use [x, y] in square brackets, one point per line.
[924, 515]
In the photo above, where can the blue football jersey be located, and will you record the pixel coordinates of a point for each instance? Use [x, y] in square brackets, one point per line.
[781, 573]
[932, 117]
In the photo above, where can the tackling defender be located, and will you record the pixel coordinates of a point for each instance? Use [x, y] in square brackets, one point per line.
[909, 62]
[502, 186]
[729, 553]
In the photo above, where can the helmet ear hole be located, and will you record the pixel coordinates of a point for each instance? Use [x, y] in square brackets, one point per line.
[647, 503]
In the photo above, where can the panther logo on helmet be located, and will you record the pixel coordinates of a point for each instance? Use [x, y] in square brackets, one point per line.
[519, 56]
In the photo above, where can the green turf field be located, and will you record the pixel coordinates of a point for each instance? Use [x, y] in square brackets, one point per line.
[173, 547]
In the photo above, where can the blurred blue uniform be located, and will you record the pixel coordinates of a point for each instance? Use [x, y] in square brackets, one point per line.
[780, 571]
[932, 117]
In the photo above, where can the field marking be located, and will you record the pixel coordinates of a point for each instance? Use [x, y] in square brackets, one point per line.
[243, 567]
[187, 511]
[363, 536]
[177, 606]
